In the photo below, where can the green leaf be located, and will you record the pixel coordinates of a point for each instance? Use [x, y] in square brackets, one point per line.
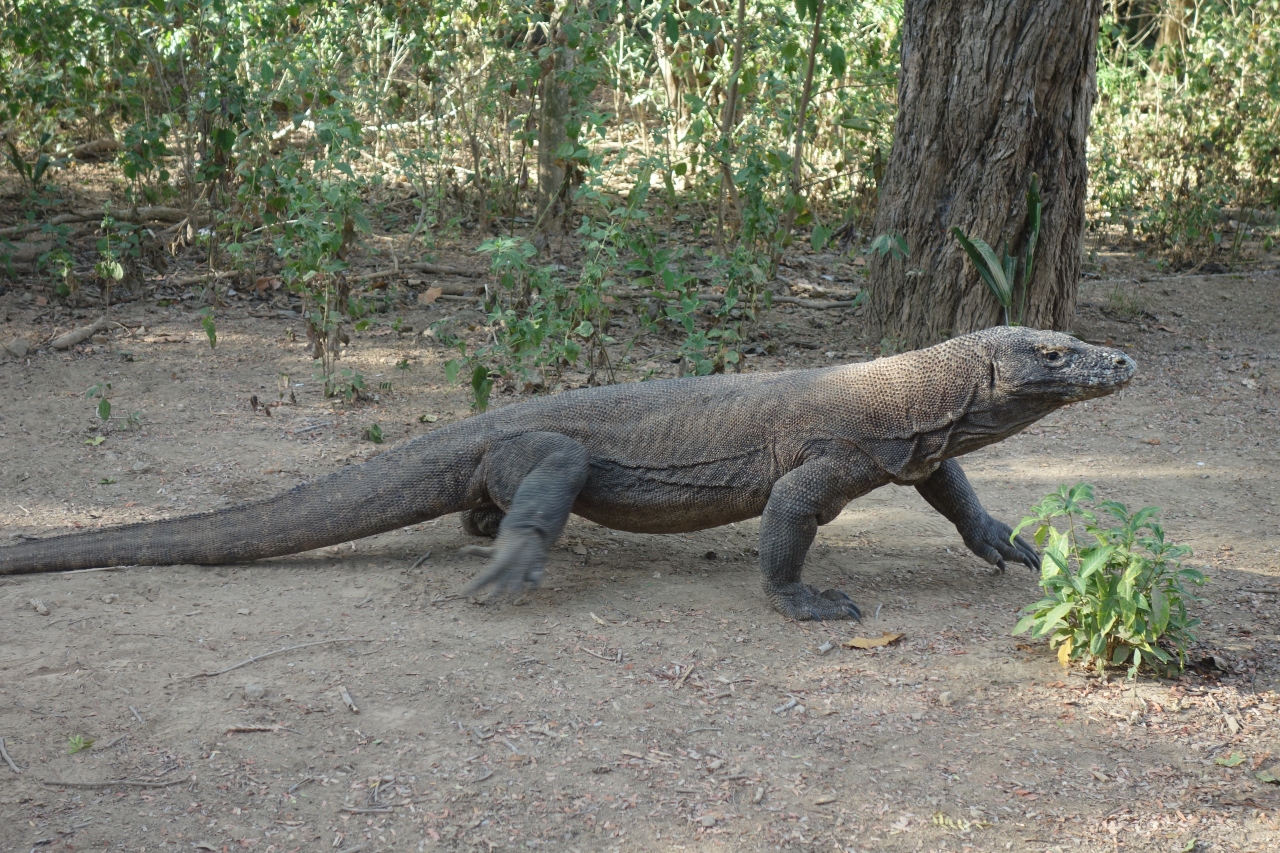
[1024, 624]
[451, 371]
[1232, 760]
[585, 329]
[104, 409]
[96, 440]
[839, 62]
[1053, 617]
[988, 265]
[374, 434]
[1120, 655]
[819, 238]
[1094, 559]
[481, 385]
[210, 330]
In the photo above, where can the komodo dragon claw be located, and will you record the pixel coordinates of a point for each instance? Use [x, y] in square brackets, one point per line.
[516, 563]
[803, 602]
[991, 542]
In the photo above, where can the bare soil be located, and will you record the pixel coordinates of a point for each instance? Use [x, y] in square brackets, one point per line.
[646, 698]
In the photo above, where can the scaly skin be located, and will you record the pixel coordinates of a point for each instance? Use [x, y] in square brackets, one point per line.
[665, 457]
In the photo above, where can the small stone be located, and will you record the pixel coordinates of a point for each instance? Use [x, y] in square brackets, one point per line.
[15, 349]
[139, 467]
[945, 699]
[825, 647]
[580, 550]
[254, 691]
[110, 598]
[797, 710]
[708, 821]
[40, 607]
[244, 611]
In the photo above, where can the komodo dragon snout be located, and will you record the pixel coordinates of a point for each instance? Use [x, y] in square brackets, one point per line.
[792, 448]
[1057, 369]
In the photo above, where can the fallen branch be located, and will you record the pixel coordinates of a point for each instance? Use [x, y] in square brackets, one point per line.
[436, 269]
[5, 753]
[265, 656]
[189, 280]
[96, 149]
[819, 304]
[72, 338]
[131, 783]
[24, 253]
[445, 289]
[142, 214]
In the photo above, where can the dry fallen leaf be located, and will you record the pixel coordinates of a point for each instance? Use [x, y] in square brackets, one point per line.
[872, 642]
[431, 295]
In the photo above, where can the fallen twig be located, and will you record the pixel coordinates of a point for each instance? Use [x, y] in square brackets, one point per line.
[1265, 590]
[346, 697]
[267, 655]
[611, 659]
[72, 338]
[301, 783]
[437, 269]
[250, 729]
[821, 304]
[131, 783]
[5, 754]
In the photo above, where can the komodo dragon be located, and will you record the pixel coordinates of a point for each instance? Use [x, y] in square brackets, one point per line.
[664, 457]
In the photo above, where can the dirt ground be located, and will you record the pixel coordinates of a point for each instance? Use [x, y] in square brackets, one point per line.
[646, 698]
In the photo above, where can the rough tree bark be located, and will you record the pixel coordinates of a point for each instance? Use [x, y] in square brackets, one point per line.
[991, 91]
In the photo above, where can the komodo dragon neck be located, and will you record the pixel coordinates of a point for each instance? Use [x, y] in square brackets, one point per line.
[914, 410]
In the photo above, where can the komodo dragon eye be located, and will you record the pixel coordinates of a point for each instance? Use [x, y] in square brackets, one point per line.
[1053, 356]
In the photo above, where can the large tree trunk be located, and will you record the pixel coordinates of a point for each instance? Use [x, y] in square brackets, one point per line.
[991, 92]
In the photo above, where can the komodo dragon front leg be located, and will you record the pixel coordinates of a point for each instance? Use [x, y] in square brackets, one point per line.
[799, 502]
[948, 491]
[536, 478]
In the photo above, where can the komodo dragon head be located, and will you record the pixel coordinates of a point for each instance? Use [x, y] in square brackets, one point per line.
[1043, 371]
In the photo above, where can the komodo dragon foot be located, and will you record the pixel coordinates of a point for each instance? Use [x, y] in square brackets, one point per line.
[803, 603]
[990, 540]
[516, 563]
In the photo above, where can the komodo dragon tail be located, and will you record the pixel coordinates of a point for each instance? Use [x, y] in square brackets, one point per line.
[416, 481]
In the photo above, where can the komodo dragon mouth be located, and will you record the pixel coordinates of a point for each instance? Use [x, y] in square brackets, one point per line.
[792, 448]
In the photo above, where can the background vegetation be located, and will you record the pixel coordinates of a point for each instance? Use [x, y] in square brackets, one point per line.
[284, 131]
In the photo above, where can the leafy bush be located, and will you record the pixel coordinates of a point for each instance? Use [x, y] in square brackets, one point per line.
[1114, 594]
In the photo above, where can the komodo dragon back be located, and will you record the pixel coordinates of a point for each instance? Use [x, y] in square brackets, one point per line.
[668, 456]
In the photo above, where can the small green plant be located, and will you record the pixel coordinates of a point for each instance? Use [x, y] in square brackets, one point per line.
[210, 330]
[78, 743]
[32, 174]
[101, 391]
[1113, 594]
[345, 383]
[1001, 272]
[481, 383]
[892, 243]
[374, 434]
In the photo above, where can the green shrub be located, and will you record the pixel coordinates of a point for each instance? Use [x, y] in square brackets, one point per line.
[1113, 594]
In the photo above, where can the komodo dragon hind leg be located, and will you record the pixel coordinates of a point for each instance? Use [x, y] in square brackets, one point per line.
[483, 521]
[537, 476]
